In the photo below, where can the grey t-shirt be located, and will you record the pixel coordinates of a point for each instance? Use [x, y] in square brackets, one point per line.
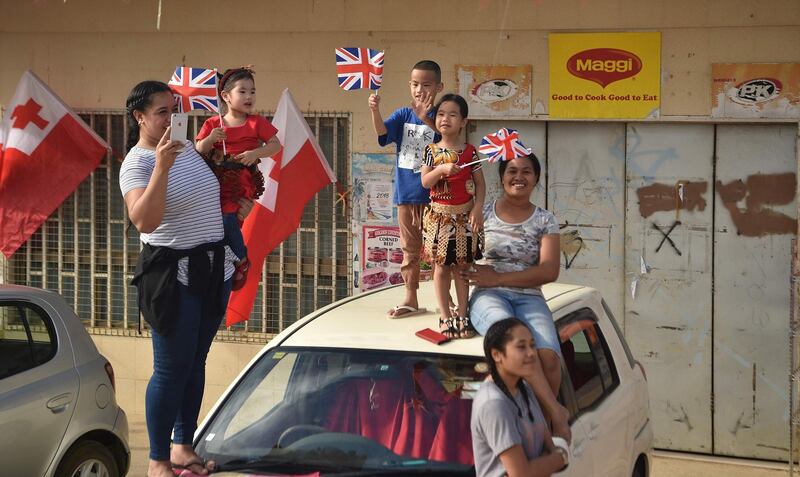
[497, 427]
[514, 247]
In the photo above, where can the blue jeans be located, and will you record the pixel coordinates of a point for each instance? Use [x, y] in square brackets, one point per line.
[490, 305]
[175, 390]
[234, 235]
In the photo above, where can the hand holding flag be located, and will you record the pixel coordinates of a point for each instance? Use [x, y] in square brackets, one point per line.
[504, 145]
[359, 68]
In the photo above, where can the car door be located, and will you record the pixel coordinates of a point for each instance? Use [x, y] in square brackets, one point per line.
[599, 408]
[38, 387]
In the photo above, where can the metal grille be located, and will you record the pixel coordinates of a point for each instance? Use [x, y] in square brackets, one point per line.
[87, 252]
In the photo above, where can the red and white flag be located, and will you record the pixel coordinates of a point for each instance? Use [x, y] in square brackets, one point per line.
[46, 150]
[291, 178]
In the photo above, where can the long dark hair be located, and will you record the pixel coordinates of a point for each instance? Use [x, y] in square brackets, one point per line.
[537, 167]
[139, 99]
[229, 79]
[497, 337]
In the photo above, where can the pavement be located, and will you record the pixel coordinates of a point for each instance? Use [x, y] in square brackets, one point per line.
[665, 464]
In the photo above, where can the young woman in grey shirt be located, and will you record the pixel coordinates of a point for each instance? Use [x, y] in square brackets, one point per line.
[509, 434]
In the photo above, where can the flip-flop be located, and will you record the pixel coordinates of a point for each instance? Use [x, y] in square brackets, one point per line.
[409, 311]
[181, 469]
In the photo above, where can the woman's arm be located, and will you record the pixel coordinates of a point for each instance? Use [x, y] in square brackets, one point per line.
[146, 205]
[547, 271]
[517, 464]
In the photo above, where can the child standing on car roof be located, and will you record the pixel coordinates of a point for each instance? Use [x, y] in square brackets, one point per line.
[410, 130]
[452, 224]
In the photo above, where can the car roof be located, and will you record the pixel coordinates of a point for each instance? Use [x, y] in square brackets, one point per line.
[360, 322]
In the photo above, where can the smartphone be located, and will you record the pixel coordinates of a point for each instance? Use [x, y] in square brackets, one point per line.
[179, 124]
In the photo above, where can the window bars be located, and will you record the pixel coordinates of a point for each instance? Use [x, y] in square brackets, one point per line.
[87, 251]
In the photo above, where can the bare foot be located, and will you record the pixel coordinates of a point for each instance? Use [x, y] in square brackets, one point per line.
[159, 468]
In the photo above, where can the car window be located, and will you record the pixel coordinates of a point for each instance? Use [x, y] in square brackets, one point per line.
[26, 338]
[618, 330]
[587, 360]
[356, 410]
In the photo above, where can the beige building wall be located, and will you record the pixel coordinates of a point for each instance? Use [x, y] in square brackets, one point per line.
[92, 52]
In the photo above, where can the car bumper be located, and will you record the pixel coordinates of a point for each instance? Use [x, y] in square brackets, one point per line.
[121, 431]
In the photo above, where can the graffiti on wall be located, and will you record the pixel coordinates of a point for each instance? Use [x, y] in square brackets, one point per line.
[748, 201]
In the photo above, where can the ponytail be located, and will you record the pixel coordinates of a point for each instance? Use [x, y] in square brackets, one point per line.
[139, 99]
[497, 337]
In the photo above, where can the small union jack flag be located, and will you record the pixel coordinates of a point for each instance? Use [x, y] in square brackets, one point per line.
[195, 88]
[503, 145]
[359, 68]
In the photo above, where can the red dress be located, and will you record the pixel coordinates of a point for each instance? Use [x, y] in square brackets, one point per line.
[238, 181]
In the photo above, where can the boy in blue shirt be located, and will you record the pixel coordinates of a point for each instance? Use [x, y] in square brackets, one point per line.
[410, 129]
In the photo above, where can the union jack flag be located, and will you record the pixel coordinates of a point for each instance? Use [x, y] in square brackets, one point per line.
[503, 145]
[195, 88]
[359, 68]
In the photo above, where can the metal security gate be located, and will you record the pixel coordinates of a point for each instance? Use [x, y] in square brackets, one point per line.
[686, 230]
[87, 253]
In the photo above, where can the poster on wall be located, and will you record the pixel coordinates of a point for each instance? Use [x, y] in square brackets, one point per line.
[381, 257]
[372, 176]
[371, 202]
[496, 90]
[605, 75]
[755, 90]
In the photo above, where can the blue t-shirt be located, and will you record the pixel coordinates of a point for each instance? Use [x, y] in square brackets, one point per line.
[410, 136]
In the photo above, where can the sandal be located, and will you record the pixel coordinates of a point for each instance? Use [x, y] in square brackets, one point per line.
[240, 274]
[465, 328]
[179, 469]
[451, 331]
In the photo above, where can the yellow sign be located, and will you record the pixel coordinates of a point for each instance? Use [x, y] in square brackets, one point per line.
[605, 75]
[755, 90]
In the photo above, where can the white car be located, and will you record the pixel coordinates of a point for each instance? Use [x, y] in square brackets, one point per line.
[346, 391]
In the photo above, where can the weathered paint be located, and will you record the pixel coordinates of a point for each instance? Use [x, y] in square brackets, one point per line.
[665, 197]
[668, 321]
[752, 258]
[759, 192]
[586, 192]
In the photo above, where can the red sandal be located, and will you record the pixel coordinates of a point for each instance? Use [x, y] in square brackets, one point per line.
[240, 274]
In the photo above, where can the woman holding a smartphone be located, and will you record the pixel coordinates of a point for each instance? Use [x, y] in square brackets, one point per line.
[183, 274]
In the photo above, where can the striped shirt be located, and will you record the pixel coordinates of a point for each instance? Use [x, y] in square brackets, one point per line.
[192, 213]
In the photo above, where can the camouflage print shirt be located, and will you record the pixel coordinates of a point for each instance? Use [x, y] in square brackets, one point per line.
[515, 247]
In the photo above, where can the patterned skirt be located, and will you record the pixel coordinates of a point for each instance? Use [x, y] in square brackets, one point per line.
[447, 237]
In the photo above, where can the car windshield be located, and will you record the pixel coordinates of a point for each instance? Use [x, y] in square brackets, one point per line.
[343, 410]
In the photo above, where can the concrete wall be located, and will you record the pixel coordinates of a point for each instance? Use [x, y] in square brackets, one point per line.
[92, 52]
[132, 359]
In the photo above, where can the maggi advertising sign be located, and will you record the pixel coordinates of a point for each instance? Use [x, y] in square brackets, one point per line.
[605, 75]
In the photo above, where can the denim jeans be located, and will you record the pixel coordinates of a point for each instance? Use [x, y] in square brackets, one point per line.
[175, 390]
[490, 305]
[234, 235]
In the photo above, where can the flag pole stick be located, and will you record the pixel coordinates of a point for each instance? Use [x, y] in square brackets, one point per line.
[219, 113]
[475, 162]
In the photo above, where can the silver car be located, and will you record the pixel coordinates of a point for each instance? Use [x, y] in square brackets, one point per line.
[58, 412]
